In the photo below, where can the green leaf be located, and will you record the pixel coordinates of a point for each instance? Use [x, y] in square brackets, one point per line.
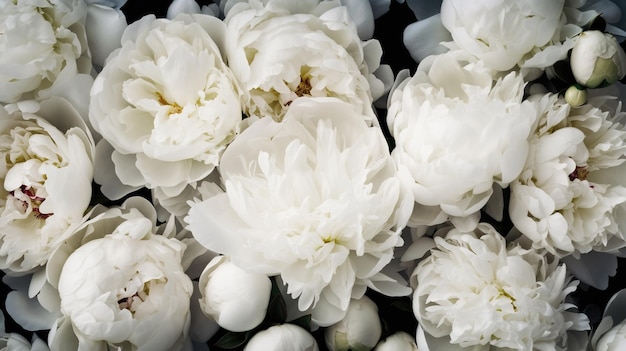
[232, 340]
[303, 322]
[277, 309]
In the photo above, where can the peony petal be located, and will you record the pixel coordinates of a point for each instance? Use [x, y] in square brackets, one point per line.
[380, 7]
[27, 312]
[424, 9]
[361, 13]
[593, 268]
[104, 27]
[616, 307]
[422, 38]
[116, 4]
[182, 6]
[104, 173]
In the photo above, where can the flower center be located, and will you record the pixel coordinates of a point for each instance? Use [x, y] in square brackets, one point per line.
[505, 295]
[29, 199]
[131, 301]
[174, 107]
[580, 172]
[304, 88]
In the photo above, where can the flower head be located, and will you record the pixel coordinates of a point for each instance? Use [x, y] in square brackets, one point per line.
[510, 34]
[457, 132]
[566, 197]
[276, 49]
[43, 45]
[46, 170]
[175, 106]
[119, 289]
[315, 198]
[476, 290]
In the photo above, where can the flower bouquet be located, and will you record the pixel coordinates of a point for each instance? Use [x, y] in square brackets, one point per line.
[313, 175]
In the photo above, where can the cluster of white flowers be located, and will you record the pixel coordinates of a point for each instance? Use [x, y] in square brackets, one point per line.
[251, 175]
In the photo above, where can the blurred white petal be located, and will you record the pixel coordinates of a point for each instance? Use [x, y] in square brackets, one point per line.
[422, 38]
[424, 9]
[104, 27]
[116, 4]
[28, 313]
[380, 7]
[182, 6]
[593, 268]
[362, 15]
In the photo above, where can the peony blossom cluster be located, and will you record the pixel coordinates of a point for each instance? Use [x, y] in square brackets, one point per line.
[270, 175]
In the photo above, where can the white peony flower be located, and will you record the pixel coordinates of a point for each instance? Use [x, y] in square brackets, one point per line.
[316, 199]
[396, 342]
[46, 174]
[566, 197]
[614, 339]
[610, 333]
[457, 132]
[167, 103]
[44, 48]
[360, 329]
[282, 337]
[275, 55]
[127, 289]
[597, 59]
[475, 292]
[511, 34]
[235, 298]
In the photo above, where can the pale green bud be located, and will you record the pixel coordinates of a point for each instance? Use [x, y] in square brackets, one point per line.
[576, 96]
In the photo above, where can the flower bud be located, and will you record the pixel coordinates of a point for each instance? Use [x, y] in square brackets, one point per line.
[597, 59]
[236, 299]
[575, 96]
[397, 341]
[282, 337]
[359, 330]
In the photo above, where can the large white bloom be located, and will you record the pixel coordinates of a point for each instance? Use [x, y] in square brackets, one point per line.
[457, 132]
[316, 199]
[473, 291]
[127, 289]
[167, 103]
[566, 197]
[511, 34]
[46, 169]
[283, 50]
[44, 47]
